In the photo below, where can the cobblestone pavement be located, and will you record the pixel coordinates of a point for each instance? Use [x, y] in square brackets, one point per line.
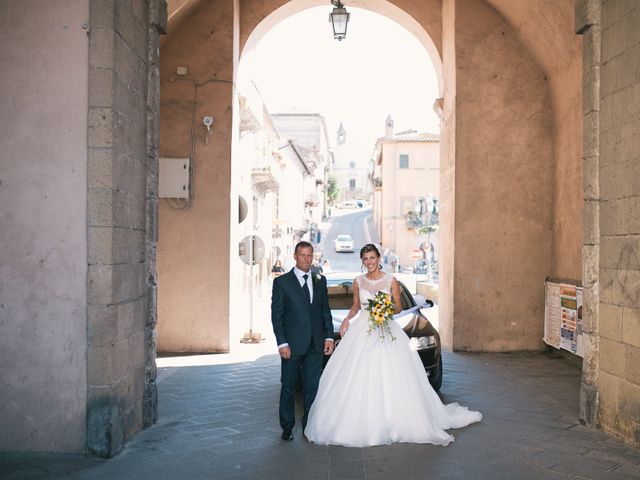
[220, 422]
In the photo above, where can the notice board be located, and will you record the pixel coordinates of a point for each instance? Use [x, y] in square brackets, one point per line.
[563, 316]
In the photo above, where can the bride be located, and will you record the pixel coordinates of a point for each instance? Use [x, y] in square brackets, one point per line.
[374, 389]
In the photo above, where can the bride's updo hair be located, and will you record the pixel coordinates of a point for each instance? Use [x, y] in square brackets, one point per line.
[369, 247]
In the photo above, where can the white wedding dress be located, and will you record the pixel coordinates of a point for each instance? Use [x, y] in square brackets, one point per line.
[375, 392]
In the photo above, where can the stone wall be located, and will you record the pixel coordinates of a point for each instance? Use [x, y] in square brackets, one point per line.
[194, 244]
[545, 30]
[588, 25]
[566, 96]
[447, 175]
[122, 191]
[613, 154]
[43, 239]
[504, 167]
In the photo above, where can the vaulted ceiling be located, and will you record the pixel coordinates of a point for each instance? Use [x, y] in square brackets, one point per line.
[544, 26]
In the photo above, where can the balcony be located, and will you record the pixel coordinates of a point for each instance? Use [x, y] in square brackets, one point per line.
[263, 180]
[311, 199]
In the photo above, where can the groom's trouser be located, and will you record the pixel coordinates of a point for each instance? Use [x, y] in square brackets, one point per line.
[311, 364]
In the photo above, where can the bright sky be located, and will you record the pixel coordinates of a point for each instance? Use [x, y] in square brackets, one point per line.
[379, 69]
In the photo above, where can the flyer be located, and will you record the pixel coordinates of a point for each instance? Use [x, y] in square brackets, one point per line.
[552, 315]
[563, 316]
[569, 318]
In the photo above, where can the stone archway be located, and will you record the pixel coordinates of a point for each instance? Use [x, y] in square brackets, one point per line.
[497, 175]
[540, 42]
[255, 26]
[539, 143]
[112, 297]
[538, 149]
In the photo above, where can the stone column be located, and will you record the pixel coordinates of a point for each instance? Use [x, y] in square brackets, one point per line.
[614, 127]
[446, 234]
[588, 25]
[122, 147]
[157, 27]
[496, 184]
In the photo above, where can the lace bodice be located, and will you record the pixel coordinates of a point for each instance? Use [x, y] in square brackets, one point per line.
[368, 288]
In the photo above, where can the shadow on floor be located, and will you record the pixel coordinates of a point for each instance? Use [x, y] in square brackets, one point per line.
[220, 422]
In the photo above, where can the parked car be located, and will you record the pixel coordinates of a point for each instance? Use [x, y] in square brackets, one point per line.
[424, 338]
[343, 243]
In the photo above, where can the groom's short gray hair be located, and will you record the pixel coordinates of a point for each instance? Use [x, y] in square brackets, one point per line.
[302, 244]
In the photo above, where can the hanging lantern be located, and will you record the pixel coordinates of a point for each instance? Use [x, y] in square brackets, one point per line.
[339, 19]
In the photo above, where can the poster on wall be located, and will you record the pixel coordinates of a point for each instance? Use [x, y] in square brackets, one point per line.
[568, 318]
[579, 340]
[563, 317]
[552, 314]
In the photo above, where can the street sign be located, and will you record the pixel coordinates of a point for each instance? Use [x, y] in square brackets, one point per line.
[251, 250]
[416, 254]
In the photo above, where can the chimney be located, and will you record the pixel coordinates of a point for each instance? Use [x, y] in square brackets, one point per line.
[388, 127]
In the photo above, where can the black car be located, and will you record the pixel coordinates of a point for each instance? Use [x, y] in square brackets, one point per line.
[424, 338]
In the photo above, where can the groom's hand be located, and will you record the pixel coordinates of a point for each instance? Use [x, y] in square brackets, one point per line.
[285, 352]
[328, 347]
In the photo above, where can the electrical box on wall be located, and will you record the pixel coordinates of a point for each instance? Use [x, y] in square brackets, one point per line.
[173, 181]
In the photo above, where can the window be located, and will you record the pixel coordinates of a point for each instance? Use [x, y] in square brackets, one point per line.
[407, 204]
[404, 161]
[405, 298]
[352, 184]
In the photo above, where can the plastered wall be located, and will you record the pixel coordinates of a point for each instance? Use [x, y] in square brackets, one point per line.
[43, 232]
[193, 247]
[503, 186]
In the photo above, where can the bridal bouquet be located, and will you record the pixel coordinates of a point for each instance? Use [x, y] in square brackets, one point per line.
[380, 314]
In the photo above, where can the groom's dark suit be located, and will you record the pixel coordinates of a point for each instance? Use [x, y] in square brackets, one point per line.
[305, 327]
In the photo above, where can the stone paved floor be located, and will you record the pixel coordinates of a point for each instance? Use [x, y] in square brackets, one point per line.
[220, 422]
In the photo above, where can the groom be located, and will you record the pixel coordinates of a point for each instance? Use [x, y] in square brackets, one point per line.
[304, 331]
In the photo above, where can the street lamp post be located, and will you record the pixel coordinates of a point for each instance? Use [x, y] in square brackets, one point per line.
[339, 19]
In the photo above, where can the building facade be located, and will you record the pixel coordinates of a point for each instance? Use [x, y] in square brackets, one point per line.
[271, 214]
[406, 180]
[351, 169]
[308, 134]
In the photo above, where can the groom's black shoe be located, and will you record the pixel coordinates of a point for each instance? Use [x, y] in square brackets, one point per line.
[287, 435]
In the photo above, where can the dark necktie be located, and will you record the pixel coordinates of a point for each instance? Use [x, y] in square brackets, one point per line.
[305, 288]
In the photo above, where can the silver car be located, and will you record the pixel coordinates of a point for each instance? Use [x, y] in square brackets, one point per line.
[343, 243]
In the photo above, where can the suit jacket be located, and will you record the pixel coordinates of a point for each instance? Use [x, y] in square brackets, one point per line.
[294, 320]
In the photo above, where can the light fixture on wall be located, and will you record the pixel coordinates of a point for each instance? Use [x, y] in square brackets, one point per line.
[208, 123]
[339, 19]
